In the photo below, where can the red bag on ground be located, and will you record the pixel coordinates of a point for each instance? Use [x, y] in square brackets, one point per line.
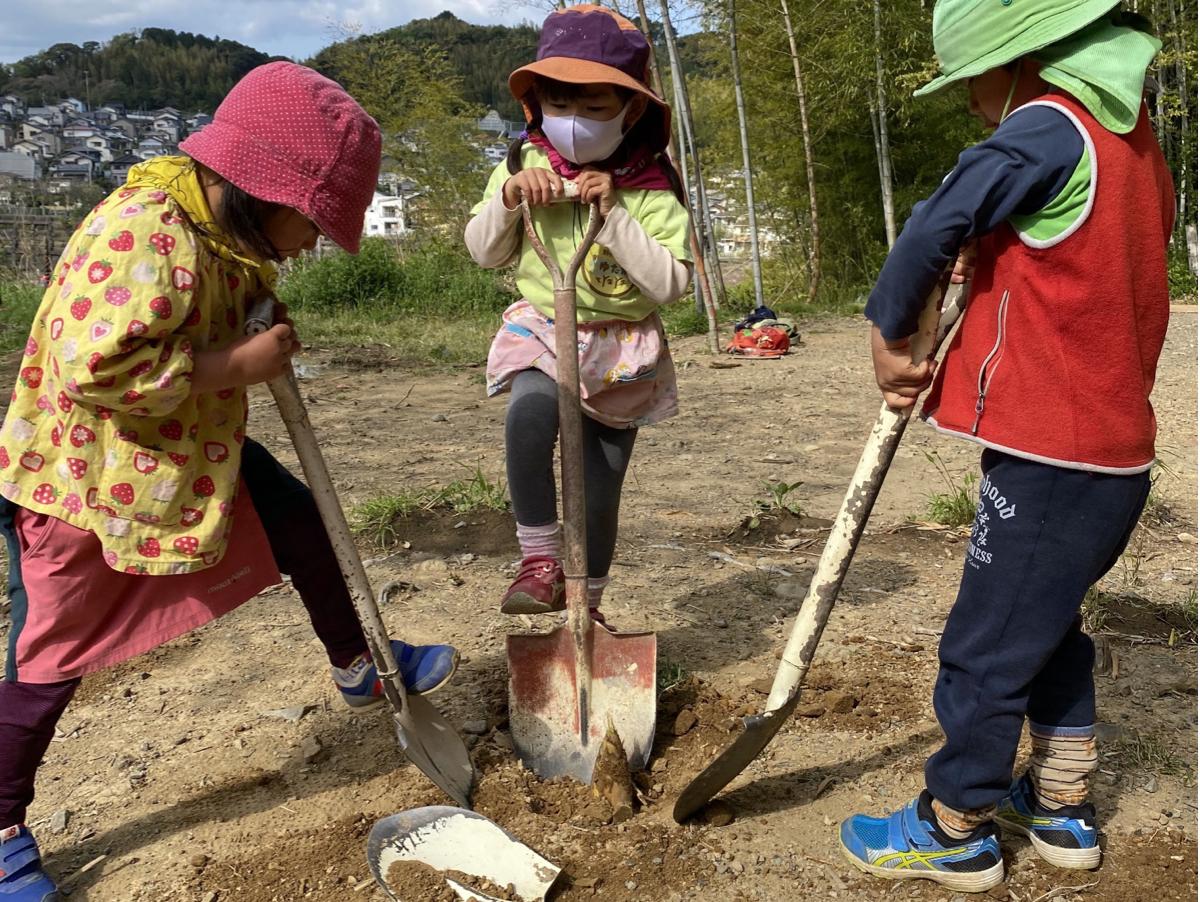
[765, 341]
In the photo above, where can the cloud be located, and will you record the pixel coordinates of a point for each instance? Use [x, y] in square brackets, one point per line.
[295, 28]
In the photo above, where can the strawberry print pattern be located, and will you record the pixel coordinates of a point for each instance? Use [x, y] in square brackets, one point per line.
[103, 430]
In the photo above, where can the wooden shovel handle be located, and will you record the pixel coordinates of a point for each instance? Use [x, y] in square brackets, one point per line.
[292, 411]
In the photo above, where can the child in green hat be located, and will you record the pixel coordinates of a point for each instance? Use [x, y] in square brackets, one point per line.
[1069, 206]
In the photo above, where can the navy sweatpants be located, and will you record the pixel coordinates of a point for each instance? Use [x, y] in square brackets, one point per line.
[301, 547]
[1013, 646]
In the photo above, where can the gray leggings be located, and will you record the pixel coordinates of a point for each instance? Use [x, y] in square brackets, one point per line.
[530, 433]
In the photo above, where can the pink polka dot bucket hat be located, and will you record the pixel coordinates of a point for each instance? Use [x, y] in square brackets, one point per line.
[288, 135]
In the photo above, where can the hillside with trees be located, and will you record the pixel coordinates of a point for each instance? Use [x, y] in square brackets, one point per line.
[150, 69]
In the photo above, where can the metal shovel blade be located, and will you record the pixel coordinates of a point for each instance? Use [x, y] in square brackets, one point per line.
[431, 744]
[454, 839]
[542, 700]
[757, 731]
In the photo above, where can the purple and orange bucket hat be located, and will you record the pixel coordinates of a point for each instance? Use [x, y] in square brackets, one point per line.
[589, 44]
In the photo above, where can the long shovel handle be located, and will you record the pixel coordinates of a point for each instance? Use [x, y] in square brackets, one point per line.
[570, 431]
[292, 411]
[941, 312]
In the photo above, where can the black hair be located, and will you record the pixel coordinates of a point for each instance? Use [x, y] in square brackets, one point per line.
[644, 131]
[242, 216]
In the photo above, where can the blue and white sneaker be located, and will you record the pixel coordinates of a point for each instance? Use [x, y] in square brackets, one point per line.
[425, 668]
[21, 876]
[1066, 837]
[908, 845]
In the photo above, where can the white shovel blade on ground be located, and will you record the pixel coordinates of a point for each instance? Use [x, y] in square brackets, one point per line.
[454, 839]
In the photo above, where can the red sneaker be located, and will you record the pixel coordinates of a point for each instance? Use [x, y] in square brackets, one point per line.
[539, 588]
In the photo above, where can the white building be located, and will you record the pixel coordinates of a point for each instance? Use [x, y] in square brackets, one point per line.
[387, 216]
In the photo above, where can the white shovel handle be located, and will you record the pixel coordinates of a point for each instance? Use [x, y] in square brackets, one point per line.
[938, 318]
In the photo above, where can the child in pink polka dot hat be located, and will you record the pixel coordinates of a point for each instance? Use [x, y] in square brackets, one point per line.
[134, 506]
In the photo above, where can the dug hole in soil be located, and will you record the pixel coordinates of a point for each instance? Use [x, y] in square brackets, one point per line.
[224, 766]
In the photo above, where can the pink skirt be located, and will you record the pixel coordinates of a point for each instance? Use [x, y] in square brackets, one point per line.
[84, 616]
[626, 374]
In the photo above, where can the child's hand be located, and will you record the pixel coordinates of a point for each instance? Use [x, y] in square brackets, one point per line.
[898, 378]
[248, 361]
[263, 357]
[964, 266]
[540, 187]
[595, 184]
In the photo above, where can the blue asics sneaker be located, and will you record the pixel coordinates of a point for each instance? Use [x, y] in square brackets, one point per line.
[1065, 837]
[21, 876]
[425, 668]
[908, 844]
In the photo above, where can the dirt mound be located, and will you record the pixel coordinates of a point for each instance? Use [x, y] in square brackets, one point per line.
[446, 532]
[769, 527]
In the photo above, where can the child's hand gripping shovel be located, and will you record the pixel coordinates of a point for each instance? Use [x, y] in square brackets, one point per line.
[425, 736]
[941, 312]
[565, 687]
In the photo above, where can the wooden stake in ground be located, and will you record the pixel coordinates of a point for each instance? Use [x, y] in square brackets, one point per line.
[882, 146]
[747, 175]
[704, 296]
[814, 244]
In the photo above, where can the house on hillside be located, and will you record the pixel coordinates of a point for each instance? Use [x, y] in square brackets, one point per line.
[169, 126]
[8, 135]
[78, 128]
[125, 126]
[501, 128]
[19, 165]
[387, 216]
[74, 165]
[101, 145]
[153, 146]
[28, 149]
[72, 106]
[118, 169]
[13, 105]
[197, 122]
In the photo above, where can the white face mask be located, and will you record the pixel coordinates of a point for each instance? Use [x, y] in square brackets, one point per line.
[582, 140]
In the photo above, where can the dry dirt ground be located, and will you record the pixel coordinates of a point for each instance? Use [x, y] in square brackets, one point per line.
[174, 770]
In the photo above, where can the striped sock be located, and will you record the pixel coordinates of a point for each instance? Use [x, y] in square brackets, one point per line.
[540, 541]
[960, 824]
[595, 590]
[1062, 760]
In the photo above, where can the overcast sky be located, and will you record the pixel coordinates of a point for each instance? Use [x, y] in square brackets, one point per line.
[294, 28]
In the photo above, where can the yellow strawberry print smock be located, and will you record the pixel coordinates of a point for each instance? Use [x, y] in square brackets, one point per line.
[103, 431]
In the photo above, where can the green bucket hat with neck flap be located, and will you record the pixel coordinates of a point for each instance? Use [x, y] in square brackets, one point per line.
[1098, 58]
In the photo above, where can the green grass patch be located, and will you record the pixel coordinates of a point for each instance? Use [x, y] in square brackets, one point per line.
[955, 506]
[375, 519]
[682, 319]
[424, 299]
[669, 674]
[1147, 753]
[19, 301]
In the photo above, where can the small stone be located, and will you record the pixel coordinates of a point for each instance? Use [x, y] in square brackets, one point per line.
[685, 721]
[718, 814]
[475, 727]
[440, 418]
[812, 710]
[1151, 784]
[721, 624]
[198, 861]
[761, 686]
[630, 885]
[310, 748]
[658, 765]
[840, 702]
[291, 715]
[58, 820]
[211, 896]
[586, 882]
[503, 740]
[736, 866]
[1109, 732]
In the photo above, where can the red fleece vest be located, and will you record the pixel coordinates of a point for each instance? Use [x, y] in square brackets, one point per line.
[1057, 352]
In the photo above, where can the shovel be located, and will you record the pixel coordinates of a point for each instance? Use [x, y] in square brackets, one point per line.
[453, 839]
[425, 736]
[564, 687]
[941, 312]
